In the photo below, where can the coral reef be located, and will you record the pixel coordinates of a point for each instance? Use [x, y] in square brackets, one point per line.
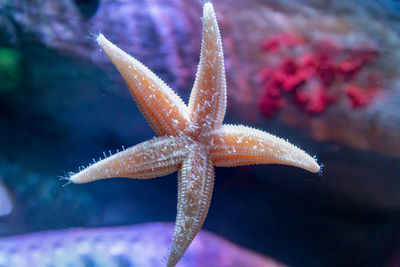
[314, 74]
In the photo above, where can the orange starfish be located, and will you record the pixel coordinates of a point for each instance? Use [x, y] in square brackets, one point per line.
[192, 138]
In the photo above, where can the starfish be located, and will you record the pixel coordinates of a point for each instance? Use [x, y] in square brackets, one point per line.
[192, 139]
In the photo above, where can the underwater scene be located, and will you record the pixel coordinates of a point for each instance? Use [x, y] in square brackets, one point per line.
[271, 127]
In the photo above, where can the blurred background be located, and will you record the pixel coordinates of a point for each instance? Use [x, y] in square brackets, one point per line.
[323, 74]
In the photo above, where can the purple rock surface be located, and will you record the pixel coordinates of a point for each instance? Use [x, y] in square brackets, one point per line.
[138, 245]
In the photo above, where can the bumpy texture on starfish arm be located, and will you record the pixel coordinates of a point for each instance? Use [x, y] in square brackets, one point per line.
[163, 109]
[235, 145]
[207, 103]
[157, 157]
[193, 138]
[195, 185]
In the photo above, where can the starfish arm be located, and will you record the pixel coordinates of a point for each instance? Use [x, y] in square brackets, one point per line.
[156, 157]
[207, 102]
[163, 109]
[235, 145]
[196, 180]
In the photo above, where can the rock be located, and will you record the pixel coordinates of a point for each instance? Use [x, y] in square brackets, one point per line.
[137, 245]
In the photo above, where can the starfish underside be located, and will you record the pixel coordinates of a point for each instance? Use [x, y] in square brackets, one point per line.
[192, 139]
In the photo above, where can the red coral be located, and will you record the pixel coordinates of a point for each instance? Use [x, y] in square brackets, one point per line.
[327, 73]
[314, 100]
[324, 65]
[283, 40]
[289, 71]
[350, 67]
[319, 101]
[265, 74]
[353, 65]
[309, 61]
[270, 106]
[272, 44]
[358, 96]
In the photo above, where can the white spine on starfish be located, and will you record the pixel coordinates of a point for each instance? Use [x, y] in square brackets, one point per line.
[207, 102]
[164, 110]
[157, 157]
[235, 145]
[196, 181]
